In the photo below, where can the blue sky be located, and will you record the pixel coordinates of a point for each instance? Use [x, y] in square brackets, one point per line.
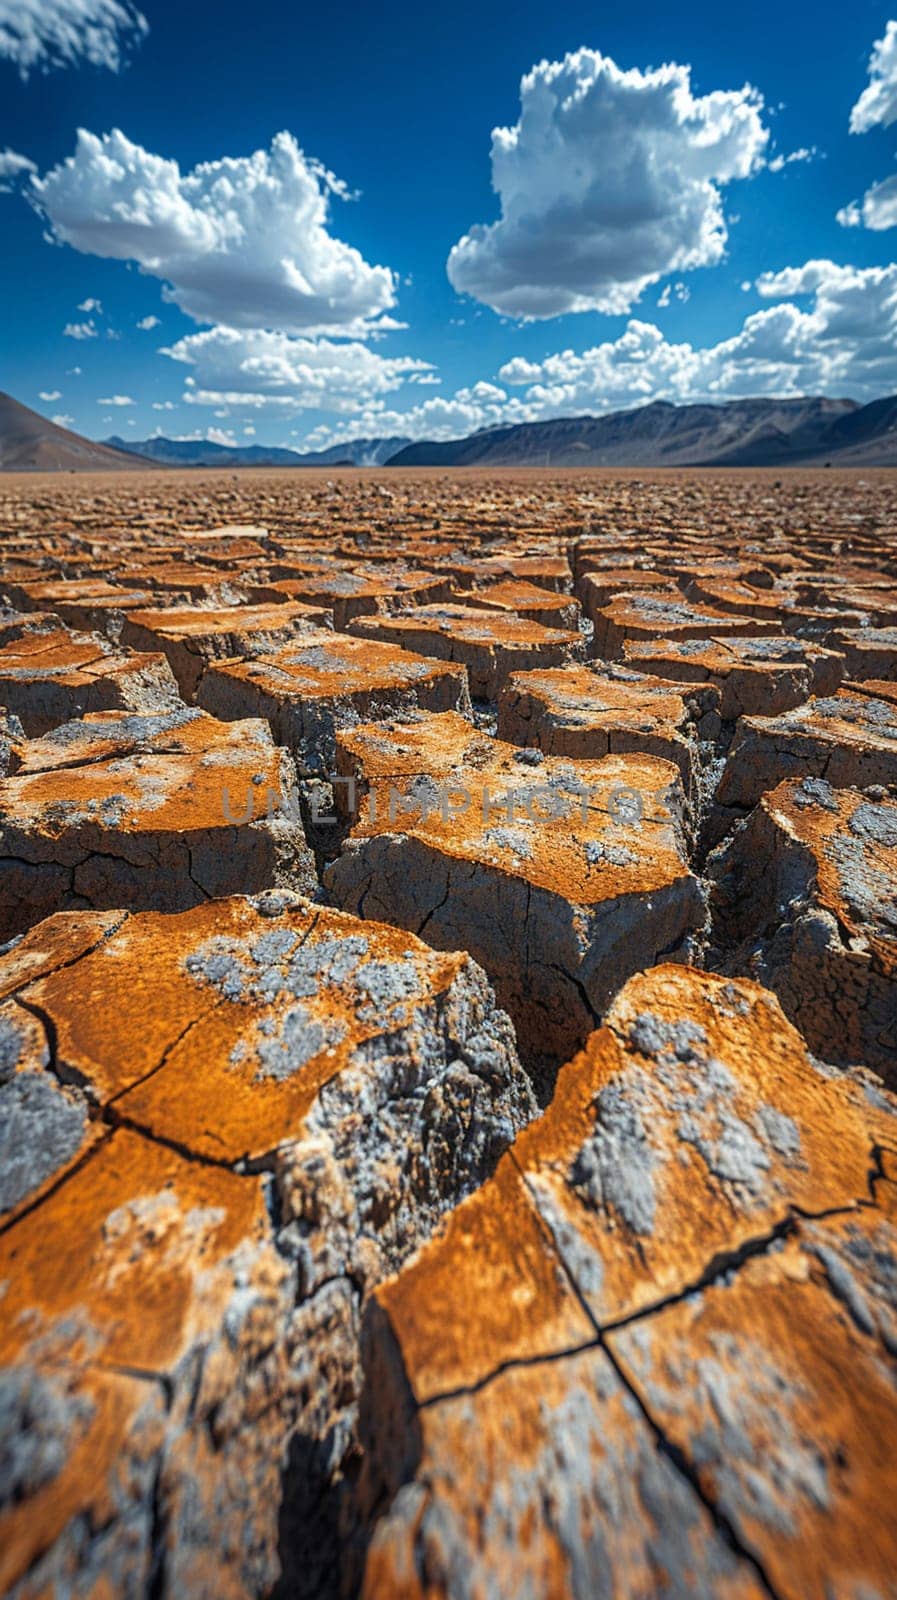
[634, 234]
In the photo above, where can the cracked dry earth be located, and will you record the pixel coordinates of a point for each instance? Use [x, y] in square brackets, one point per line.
[448, 1037]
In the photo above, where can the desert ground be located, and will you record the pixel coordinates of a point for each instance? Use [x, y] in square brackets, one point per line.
[448, 1034]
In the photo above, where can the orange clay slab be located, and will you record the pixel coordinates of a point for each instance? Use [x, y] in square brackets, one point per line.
[547, 571]
[635, 617]
[547, 1481]
[588, 711]
[191, 639]
[849, 739]
[819, 923]
[137, 811]
[243, 1013]
[547, 607]
[323, 681]
[868, 652]
[560, 877]
[597, 589]
[755, 677]
[349, 594]
[489, 645]
[778, 1388]
[486, 1388]
[126, 1275]
[48, 678]
[90, 603]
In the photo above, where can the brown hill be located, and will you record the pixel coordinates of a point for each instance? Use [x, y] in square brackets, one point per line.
[30, 443]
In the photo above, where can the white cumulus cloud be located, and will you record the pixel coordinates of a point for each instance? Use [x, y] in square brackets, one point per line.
[680, 290]
[146, 324]
[850, 216]
[90, 304]
[608, 181]
[62, 421]
[274, 371]
[12, 167]
[878, 209]
[80, 330]
[117, 400]
[40, 34]
[50, 395]
[844, 342]
[877, 105]
[841, 341]
[780, 162]
[242, 241]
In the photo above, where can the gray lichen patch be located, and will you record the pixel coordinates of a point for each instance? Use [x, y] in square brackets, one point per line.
[318, 658]
[41, 1419]
[860, 1264]
[696, 1094]
[511, 838]
[868, 887]
[779, 1130]
[298, 1040]
[815, 792]
[683, 1041]
[134, 730]
[42, 1125]
[614, 1170]
[875, 824]
[12, 1044]
[284, 966]
[771, 1483]
[718, 1401]
[275, 964]
[329, 963]
[41, 1129]
[387, 984]
[599, 853]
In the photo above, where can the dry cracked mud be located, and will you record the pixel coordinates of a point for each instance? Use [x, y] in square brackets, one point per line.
[448, 1036]
[561, 878]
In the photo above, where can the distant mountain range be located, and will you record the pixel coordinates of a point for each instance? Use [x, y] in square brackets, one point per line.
[740, 433]
[30, 443]
[202, 453]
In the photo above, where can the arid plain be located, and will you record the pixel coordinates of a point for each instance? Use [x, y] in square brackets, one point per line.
[448, 1038]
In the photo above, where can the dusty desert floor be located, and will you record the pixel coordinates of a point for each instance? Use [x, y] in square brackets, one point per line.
[448, 1034]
